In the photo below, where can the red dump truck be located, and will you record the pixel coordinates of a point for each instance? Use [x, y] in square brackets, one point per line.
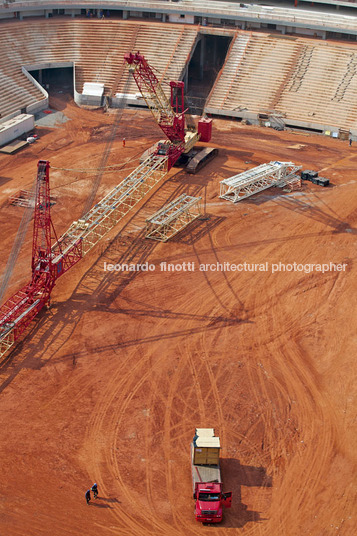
[206, 477]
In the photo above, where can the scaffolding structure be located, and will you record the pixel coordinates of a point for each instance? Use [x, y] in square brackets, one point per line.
[26, 198]
[23, 198]
[257, 179]
[173, 217]
[113, 207]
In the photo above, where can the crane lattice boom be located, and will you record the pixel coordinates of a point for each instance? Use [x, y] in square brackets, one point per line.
[51, 260]
[169, 115]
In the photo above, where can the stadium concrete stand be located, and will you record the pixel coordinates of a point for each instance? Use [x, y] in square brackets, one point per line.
[271, 72]
[289, 81]
[95, 48]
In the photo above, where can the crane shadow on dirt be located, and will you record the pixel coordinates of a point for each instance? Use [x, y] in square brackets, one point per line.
[313, 212]
[197, 229]
[4, 180]
[235, 476]
[306, 208]
[99, 289]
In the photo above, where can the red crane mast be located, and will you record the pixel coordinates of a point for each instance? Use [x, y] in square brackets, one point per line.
[48, 264]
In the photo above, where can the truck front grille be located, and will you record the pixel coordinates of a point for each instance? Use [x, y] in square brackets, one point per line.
[208, 512]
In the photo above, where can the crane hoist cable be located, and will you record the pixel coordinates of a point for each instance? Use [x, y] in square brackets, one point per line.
[90, 199]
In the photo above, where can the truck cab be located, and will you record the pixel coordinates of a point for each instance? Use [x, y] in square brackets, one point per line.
[208, 507]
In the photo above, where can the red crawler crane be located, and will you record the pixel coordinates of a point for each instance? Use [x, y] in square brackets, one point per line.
[49, 262]
[170, 116]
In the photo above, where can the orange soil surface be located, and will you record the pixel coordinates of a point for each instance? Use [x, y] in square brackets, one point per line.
[111, 381]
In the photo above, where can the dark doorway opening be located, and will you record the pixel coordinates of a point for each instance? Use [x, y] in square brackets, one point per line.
[206, 62]
[55, 80]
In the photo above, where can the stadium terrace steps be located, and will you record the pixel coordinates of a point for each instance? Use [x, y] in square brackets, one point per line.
[259, 72]
[304, 80]
[97, 49]
[167, 49]
[327, 93]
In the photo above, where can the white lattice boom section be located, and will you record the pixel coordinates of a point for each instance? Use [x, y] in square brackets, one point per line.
[173, 217]
[112, 208]
[23, 198]
[257, 179]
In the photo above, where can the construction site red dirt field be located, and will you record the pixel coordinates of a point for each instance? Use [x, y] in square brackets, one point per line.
[110, 382]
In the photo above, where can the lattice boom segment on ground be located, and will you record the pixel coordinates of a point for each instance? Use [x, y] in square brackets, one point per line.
[112, 208]
[257, 179]
[172, 218]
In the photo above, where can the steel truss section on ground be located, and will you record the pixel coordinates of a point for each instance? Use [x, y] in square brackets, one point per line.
[110, 210]
[257, 179]
[172, 218]
[23, 198]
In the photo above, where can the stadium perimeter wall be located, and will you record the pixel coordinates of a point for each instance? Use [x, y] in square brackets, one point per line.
[243, 16]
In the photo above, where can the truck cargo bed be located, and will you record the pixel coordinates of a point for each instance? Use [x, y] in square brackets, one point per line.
[204, 473]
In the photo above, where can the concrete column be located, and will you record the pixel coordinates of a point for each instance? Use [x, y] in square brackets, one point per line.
[202, 56]
[283, 30]
[215, 53]
[46, 14]
[125, 14]
[163, 17]
[185, 79]
[21, 17]
[323, 35]
[73, 14]
[40, 76]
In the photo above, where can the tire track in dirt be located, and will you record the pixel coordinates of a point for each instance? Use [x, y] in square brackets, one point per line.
[159, 527]
[128, 387]
[167, 429]
[317, 447]
[118, 387]
[216, 403]
[288, 361]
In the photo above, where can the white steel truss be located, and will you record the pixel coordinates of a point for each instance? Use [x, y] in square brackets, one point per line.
[257, 179]
[113, 207]
[172, 218]
[23, 198]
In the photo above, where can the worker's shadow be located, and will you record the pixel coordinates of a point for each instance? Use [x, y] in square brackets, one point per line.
[235, 476]
[99, 505]
[109, 499]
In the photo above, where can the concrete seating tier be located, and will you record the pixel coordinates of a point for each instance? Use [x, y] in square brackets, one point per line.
[301, 79]
[96, 47]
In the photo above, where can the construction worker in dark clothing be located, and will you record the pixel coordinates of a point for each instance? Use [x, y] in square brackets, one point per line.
[94, 488]
[88, 496]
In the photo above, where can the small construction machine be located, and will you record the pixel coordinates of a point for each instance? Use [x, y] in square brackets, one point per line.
[206, 477]
[170, 116]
